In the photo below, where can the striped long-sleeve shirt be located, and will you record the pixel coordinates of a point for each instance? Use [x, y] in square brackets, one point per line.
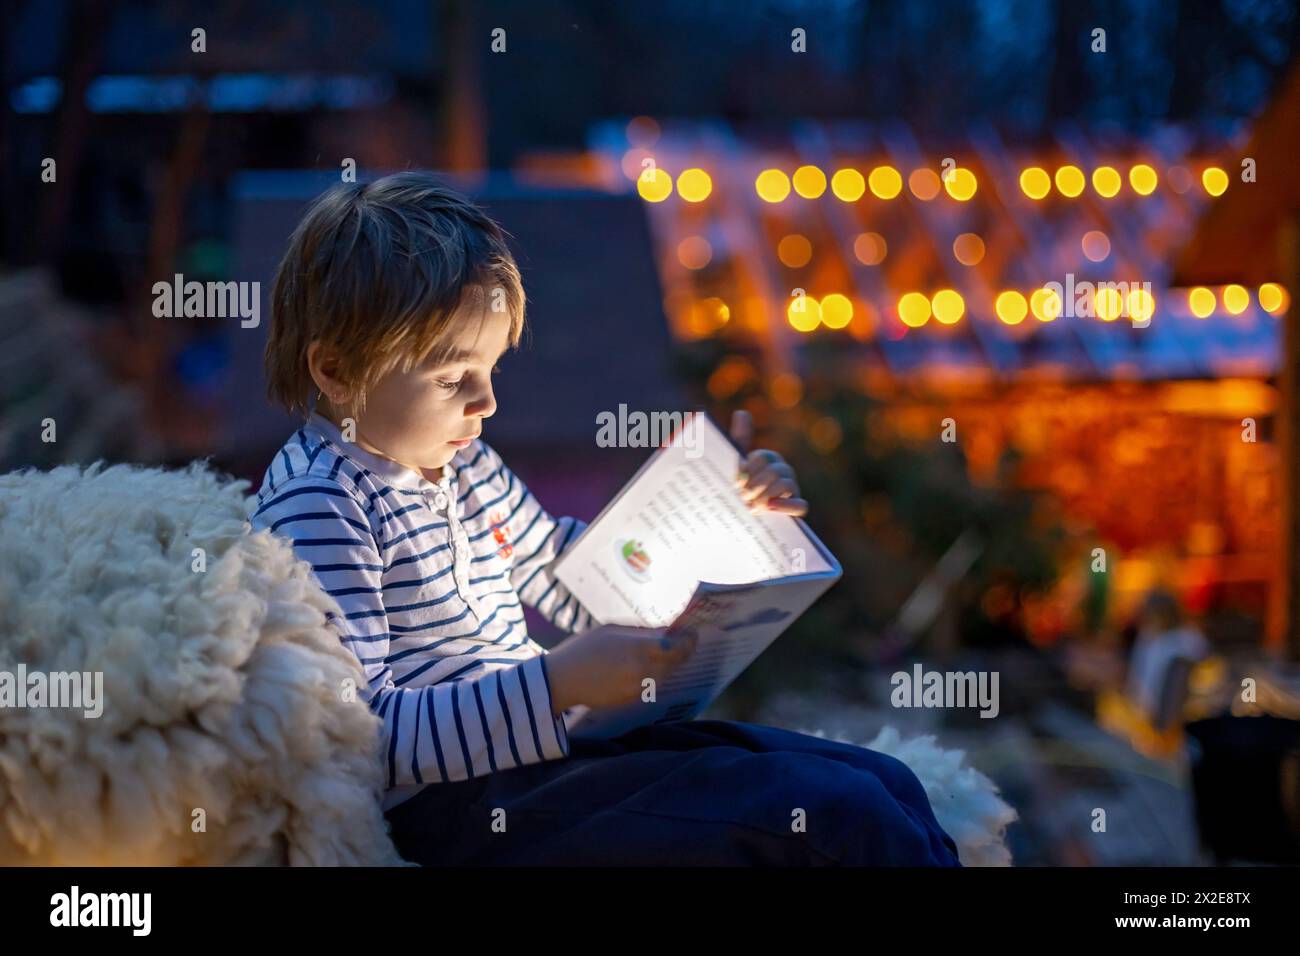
[430, 580]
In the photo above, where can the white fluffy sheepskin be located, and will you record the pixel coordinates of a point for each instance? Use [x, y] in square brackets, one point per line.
[965, 801]
[223, 689]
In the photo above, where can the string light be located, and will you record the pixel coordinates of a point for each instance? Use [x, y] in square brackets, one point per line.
[772, 185]
[1235, 299]
[961, 184]
[848, 185]
[804, 313]
[870, 248]
[1143, 179]
[968, 249]
[794, 251]
[924, 184]
[1045, 304]
[694, 185]
[948, 306]
[914, 310]
[654, 184]
[1035, 183]
[694, 252]
[809, 182]
[837, 311]
[1272, 298]
[885, 182]
[1201, 301]
[1070, 181]
[1011, 307]
[1141, 305]
[1215, 181]
[1106, 181]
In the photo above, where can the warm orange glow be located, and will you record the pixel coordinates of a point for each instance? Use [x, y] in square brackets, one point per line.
[786, 389]
[694, 252]
[731, 375]
[694, 185]
[968, 249]
[1201, 301]
[1235, 299]
[772, 185]
[961, 184]
[870, 248]
[654, 184]
[885, 182]
[707, 316]
[848, 185]
[794, 251]
[914, 310]
[948, 306]
[924, 184]
[1035, 183]
[825, 434]
[809, 182]
[837, 311]
[1011, 307]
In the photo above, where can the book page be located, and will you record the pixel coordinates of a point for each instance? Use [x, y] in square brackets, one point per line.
[678, 522]
[743, 620]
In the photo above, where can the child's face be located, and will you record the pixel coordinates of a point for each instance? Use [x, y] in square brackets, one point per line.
[421, 418]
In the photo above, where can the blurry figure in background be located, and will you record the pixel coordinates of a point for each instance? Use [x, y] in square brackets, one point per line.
[1165, 649]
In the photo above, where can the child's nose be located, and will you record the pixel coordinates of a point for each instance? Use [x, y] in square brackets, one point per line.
[485, 405]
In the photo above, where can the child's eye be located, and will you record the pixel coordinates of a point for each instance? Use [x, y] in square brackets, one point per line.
[452, 386]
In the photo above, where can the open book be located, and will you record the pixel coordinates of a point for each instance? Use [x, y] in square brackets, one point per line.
[678, 547]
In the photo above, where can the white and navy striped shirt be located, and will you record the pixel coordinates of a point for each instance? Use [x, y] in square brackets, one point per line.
[430, 579]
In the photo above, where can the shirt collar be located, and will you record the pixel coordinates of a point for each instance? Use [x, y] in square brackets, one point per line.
[393, 472]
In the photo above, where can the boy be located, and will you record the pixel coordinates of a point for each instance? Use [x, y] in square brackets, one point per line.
[393, 304]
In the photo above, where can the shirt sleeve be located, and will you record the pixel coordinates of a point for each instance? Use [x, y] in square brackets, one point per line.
[442, 732]
[537, 542]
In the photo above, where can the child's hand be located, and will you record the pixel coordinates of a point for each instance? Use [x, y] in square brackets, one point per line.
[604, 667]
[766, 481]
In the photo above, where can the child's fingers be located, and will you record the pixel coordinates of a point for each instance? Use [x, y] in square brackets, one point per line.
[754, 462]
[772, 482]
[788, 506]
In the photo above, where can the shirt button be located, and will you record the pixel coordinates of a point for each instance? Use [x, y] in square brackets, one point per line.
[440, 501]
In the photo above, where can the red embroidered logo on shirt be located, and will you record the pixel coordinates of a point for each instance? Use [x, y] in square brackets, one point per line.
[501, 534]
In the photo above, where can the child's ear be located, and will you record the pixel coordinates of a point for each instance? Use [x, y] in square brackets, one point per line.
[323, 363]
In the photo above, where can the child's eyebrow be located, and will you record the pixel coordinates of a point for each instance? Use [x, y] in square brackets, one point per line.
[457, 355]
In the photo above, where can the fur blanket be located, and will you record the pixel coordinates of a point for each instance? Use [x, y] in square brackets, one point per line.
[224, 737]
[228, 733]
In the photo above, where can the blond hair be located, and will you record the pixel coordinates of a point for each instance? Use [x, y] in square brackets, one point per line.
[378, 270]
